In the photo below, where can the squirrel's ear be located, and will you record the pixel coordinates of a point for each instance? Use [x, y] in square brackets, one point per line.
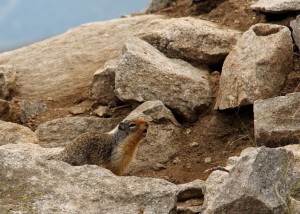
[122, 126]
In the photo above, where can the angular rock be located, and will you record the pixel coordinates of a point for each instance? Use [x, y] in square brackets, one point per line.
[153, 111]
[192, 39]
[59, 132]
[102, 86]
[251, 72]
[7, 80]
[213, 185]
[37, 185]
[295, 149]
[31, 109]
[102, 111]
[295, 25]
[15, 133]
[191, 190]
[155, 5]
[276, 120]
[145, 74]
[258, 183]
[276, 6]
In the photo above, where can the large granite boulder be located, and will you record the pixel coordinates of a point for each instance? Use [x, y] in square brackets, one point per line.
[32, 184]
[259, 182]
[145, 74]
[251, 72]
[191, 39]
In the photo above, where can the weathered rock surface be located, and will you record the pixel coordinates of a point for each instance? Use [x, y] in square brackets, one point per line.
[37, 185]
[15, 133]
[59, 132]
[69, 74]
[191, 190]
[251, 72]
[276, 120]
[103, 84]
[145, 74]
[7, 80]
[295, 25]
[160, 143]
[31, 109]
[155, 5]
[258, 183]
[81, 52]
[276, 6]
[192, 39]
[153, 111]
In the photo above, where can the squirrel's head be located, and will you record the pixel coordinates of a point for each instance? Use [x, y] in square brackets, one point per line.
[137, 126]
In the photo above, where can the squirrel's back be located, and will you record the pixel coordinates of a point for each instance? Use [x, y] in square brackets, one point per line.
[113, 150]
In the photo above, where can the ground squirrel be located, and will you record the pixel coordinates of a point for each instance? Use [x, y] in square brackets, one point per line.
[114, 150]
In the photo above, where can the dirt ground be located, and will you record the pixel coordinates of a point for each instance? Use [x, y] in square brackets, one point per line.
[217, 135]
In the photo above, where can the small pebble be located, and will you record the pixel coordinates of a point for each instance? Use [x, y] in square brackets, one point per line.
[158, 166]
[194, 144]
[207, 160]
[176, 160]
[101, 111]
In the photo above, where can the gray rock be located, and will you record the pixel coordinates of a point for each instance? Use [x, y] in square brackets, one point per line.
[295, 149]
[155, 5]
[7, 80]
[102, 86]
[37, 185]
[31, 108]
[213, 185]
[145, 74]
[15, 133]
[251, 72]
[192, 39]
[158, 166]
[276, 6]
[59, 132]
[258, 183]
[295, 25]
[194, 189]
[153, 111]
[276, 120]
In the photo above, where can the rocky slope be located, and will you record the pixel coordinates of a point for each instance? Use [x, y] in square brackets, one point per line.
[214, 87]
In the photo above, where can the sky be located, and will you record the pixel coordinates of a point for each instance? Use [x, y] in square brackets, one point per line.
[26, 21]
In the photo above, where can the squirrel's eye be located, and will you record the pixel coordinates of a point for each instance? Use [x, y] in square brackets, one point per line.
[132, 125]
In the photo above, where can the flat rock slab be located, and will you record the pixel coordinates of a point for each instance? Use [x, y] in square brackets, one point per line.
[277, 120]
[191, 39]
[145, 74]
[31, 184]
[295, 25]
[276, 6]
[251, 72]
